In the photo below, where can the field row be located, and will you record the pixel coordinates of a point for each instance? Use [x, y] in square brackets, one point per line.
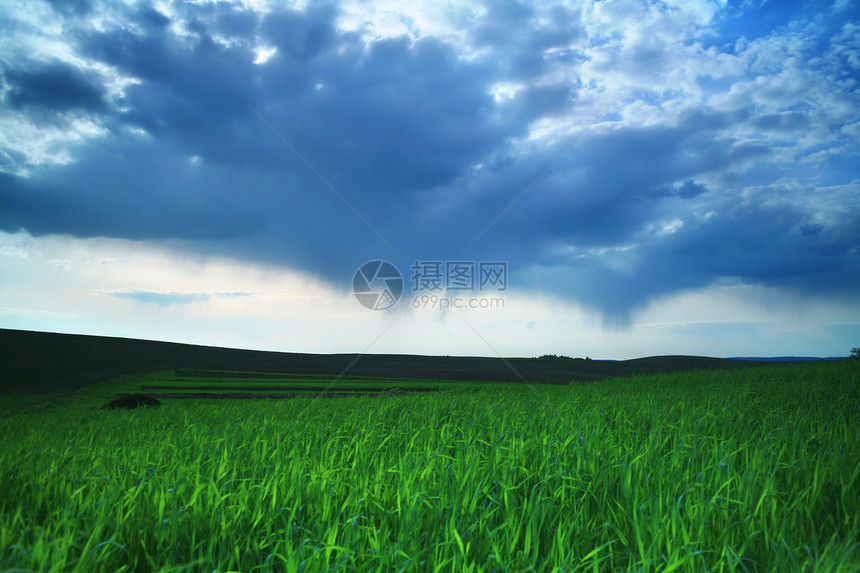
[213, 380]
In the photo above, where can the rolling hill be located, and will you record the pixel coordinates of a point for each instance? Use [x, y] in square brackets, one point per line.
[40, 362]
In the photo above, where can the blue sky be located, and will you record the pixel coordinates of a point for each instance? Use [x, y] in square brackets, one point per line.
[659, 177]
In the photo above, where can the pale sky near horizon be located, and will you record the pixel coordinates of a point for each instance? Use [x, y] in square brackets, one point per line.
[657, 177]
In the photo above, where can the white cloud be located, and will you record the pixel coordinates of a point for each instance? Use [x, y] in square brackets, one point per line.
[65, 264]
[43, 144]
[390, 18]
[840, 5]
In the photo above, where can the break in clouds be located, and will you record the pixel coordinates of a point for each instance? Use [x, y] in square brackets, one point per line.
[662, 147]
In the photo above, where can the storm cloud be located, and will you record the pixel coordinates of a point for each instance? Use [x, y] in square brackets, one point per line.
[633, 154]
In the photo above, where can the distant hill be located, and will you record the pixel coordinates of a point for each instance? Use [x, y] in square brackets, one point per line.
[40, 362]
[788, 358]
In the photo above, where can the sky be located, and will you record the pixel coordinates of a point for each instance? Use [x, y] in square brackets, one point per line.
[607, 179]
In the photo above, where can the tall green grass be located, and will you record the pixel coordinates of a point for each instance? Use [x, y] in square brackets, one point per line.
[743, 470]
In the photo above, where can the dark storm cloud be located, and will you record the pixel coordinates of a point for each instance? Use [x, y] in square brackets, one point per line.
[410, 133]
[770, 245]
[615, 183]
[184, 85]
[72, 7]
[236, 22]
[399, 117]
[789, 122]
[301, 35]
[755, 244]
[54, 86]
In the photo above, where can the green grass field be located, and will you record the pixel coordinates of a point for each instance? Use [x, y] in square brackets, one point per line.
[742, 470]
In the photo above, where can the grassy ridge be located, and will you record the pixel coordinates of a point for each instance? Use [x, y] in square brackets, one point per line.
[77, 361]
[748, 470]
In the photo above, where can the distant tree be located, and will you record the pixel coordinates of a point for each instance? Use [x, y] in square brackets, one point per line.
[855, 353]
